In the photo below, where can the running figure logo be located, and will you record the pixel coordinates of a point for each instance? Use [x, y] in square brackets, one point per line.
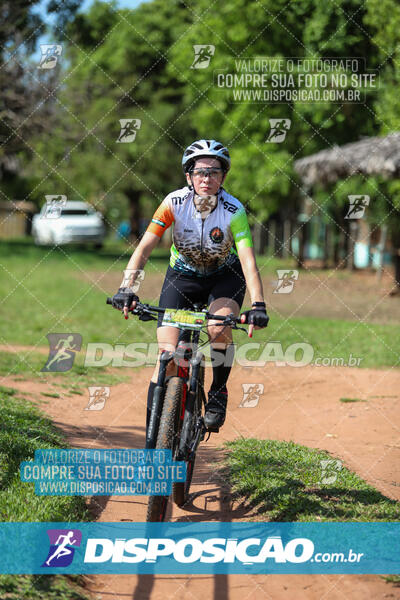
[126, 282]
[50, 55]
[129, 128]
[279, 129]
[62, 547]
[286, 280]
[330, 469]
[202, 55]
[357, 206]
[97, 397]
[251, 394]
[63, 347]
[54, 206]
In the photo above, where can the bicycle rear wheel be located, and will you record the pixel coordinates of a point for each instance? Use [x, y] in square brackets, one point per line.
[168, 435]
[180, 489]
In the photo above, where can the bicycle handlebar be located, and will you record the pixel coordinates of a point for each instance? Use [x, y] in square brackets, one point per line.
[146, 308]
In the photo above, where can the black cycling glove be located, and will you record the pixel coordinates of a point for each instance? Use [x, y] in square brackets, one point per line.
[124, 297]
[257, 315]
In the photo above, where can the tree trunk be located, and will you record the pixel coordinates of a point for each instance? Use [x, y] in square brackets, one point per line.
[134, 212]
[346, 258]
[271, 237]
[337, 245]
[327, 246]
[396, 260]
[302, 242]
[395, 239]
[259, 238]
[286, 238]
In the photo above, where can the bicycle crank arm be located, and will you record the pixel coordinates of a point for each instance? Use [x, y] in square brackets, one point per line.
[200, 434]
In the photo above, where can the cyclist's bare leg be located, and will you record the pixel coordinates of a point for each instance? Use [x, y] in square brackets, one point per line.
[167, 338]
[221, 336]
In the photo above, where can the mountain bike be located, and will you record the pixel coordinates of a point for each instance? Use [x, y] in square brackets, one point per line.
[176, 419]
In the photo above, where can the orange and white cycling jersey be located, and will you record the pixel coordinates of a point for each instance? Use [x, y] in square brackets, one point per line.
[202, 246]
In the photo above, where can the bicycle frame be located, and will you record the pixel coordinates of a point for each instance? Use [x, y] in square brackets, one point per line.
[183, 356]
[183, 438]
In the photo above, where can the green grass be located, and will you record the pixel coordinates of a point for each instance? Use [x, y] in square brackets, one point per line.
[282, 481]
[392, 579]
[23, 430]
[376, 345]
[42, 587]
[348, 400]
[48, 290]
[28, 365]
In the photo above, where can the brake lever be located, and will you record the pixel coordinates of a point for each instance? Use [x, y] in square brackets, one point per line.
[146, 317]
[143, 314]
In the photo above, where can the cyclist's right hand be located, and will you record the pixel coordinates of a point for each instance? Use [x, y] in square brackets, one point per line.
[124, 300]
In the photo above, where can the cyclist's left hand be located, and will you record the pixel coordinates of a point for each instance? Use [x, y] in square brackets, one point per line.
[256, 318]
[124, 300]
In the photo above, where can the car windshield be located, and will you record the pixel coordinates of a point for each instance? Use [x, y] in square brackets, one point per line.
[76, 211]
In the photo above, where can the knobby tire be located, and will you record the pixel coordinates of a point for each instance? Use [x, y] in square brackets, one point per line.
[168, 437]
[180, 489]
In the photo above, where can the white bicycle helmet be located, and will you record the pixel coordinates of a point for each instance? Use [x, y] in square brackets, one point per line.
[203, 148]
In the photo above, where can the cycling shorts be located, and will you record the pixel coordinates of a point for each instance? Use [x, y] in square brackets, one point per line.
[180, 290]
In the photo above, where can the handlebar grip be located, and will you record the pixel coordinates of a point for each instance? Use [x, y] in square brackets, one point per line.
[109, 301]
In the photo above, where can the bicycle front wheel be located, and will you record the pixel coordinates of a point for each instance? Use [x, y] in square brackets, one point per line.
[180, 489]
[167, 439]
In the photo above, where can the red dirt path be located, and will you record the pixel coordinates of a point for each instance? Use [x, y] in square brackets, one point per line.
[299, 404]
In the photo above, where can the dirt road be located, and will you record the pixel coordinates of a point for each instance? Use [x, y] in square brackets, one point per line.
[299, 404]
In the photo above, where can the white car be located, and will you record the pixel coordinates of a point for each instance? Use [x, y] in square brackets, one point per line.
[62, 222]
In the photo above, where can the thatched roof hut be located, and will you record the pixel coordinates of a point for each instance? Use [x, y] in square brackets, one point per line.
[370, 156]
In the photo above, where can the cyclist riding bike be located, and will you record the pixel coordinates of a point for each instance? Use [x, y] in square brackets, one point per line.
[212, 261]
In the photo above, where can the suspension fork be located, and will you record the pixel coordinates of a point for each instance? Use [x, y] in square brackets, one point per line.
[195, 363]
[158, 399]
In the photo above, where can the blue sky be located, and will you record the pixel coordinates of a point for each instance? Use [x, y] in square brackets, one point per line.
[85, 4]
[121, 3]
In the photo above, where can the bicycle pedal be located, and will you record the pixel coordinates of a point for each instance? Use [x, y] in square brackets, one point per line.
[212, 428]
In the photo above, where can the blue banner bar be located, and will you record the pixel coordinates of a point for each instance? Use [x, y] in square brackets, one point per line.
[201, 548]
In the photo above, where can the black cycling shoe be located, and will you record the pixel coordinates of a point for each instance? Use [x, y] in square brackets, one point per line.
[215, 413]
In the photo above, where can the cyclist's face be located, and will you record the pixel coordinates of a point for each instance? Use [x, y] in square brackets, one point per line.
[207, 176]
